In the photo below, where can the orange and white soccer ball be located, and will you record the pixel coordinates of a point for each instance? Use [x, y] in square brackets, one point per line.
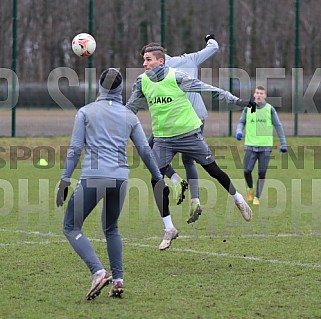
[83, 44]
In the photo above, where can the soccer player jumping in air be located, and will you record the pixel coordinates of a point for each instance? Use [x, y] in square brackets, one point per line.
[176, 126]
[190, 63]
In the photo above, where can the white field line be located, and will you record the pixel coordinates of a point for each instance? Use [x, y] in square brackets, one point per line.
[183, 250]
[248, 236]
[8, 230]
[22, 243]
[251, 258]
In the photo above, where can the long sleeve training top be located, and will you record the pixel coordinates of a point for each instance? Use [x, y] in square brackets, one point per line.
[185, 82]
[103, 128]
[190, 63]
[275, 121]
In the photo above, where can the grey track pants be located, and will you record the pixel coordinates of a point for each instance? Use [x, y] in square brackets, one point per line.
[263, 159]
[86, 196]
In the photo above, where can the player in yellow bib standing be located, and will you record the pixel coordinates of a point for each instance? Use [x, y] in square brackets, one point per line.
[259, 141]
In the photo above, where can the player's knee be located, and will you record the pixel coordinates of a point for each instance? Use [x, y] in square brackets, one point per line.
[187, 161]
[68, 230]
[111, 231]
[212, 169]
[166, 190]
[65, 231]
[262, 174]
[160, 185]
[163, 170]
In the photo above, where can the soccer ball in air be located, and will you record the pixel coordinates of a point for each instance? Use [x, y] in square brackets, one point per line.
[83, 44]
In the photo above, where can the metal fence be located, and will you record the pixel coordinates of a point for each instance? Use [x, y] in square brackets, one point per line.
[37, 109]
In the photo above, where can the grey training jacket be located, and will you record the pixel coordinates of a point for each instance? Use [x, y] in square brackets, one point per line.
[103, 129]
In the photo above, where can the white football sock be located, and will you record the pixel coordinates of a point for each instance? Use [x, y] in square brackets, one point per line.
[99, 272]
[168, 223]
[117, 280]
[238, 198]
[175, 179]
[195, 200]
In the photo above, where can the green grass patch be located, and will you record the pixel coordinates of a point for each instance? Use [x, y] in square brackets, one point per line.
[219, 267]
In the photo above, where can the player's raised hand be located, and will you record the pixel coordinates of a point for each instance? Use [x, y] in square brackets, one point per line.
[209, 36]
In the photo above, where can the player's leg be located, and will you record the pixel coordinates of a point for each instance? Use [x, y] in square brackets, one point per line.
[192, 178]
[82, 202]
[263, 163]
[250, 158]
[195, 146]
[164, 156]
[112, 206]
[191, 175]
[161, 195]
[226, 182]
[180, 185]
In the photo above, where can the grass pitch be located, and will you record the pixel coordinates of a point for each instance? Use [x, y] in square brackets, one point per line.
[219, 267]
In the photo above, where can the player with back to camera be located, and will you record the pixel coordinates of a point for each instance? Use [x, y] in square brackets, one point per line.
[103, 129]
[190, 63]
[176, 126]
[259, 141]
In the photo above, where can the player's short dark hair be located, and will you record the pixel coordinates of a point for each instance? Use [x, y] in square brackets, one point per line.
[260, 87]
[154, 47]
[110, 79]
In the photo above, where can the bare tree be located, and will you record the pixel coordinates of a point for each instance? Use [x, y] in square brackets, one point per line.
[264, 33]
